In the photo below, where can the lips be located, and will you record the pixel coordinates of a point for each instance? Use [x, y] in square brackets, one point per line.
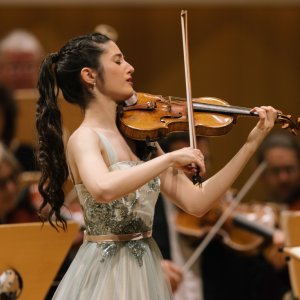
[129, 80]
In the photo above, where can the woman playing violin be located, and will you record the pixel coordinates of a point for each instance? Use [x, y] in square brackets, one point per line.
[117, 192]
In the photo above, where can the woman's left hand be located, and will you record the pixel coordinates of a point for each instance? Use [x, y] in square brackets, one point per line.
[267, 116]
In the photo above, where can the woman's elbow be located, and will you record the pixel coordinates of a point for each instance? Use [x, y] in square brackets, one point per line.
[198, 208]
[103, 194]
[196, 211]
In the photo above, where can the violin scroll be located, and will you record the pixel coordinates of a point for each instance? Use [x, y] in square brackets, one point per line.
[289, 124]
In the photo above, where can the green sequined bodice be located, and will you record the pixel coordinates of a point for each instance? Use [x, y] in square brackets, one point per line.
[131, 214]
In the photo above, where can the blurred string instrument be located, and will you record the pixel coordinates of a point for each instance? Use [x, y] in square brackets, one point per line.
[247, 228]
[221, 220]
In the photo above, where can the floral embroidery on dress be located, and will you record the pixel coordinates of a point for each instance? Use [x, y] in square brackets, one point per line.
[132, 213]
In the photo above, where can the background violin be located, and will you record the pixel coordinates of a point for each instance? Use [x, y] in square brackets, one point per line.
[248, 227]
[153, 117]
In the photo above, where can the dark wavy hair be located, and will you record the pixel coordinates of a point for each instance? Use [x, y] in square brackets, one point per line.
[61, 71]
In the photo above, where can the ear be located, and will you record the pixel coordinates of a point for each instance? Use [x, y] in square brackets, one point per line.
[88, 76]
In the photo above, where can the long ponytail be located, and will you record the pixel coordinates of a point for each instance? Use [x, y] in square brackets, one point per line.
[51, 154]
[61, 71]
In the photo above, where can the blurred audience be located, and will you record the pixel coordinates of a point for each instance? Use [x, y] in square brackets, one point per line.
[8, 120]
[9, 173]
[21, 54]
[19, 204]
[20, 57]
[107, 30]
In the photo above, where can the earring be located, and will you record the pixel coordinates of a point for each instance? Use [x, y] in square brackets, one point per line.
[93, 86]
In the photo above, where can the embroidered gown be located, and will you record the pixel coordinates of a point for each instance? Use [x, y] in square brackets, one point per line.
[115, 270]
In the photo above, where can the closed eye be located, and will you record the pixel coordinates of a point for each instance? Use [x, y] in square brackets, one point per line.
[118, 58]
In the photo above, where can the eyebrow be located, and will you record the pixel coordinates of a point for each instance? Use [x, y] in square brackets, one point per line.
[120, 55]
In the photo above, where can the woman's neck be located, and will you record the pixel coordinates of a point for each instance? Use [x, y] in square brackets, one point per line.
[101, 114]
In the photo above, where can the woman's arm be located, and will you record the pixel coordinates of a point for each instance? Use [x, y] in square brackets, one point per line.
[85, 156]
[195, 200]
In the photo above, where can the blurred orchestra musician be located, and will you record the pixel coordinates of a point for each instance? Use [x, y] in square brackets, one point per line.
[230, 275]
[282, 177]
[21, 54]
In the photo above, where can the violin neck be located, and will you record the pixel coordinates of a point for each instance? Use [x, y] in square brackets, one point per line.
[228, 110]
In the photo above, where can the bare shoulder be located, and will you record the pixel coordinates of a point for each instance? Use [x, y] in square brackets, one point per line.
[84, 152]
[83, 138]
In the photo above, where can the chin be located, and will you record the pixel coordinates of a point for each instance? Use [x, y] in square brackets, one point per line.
[126, 96]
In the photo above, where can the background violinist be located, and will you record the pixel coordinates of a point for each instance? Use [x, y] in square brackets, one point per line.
[230, 275]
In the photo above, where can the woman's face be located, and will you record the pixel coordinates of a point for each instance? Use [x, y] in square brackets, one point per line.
[117, 73]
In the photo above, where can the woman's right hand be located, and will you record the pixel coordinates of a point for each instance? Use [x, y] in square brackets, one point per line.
[187, 159]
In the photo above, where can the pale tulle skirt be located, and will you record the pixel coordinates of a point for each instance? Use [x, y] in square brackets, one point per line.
[117, 278]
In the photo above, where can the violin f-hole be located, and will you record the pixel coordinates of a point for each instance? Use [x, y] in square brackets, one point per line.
[162, 119]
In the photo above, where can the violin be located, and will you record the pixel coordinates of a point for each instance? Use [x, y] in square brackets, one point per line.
[153, 117]
[249, 226]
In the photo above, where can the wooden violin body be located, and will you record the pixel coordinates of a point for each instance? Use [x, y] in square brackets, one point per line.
[154, 117]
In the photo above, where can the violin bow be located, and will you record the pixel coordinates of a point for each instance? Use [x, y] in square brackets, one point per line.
[190, 112]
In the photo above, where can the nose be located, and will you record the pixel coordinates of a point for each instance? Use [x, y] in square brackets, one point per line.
[130, 68]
